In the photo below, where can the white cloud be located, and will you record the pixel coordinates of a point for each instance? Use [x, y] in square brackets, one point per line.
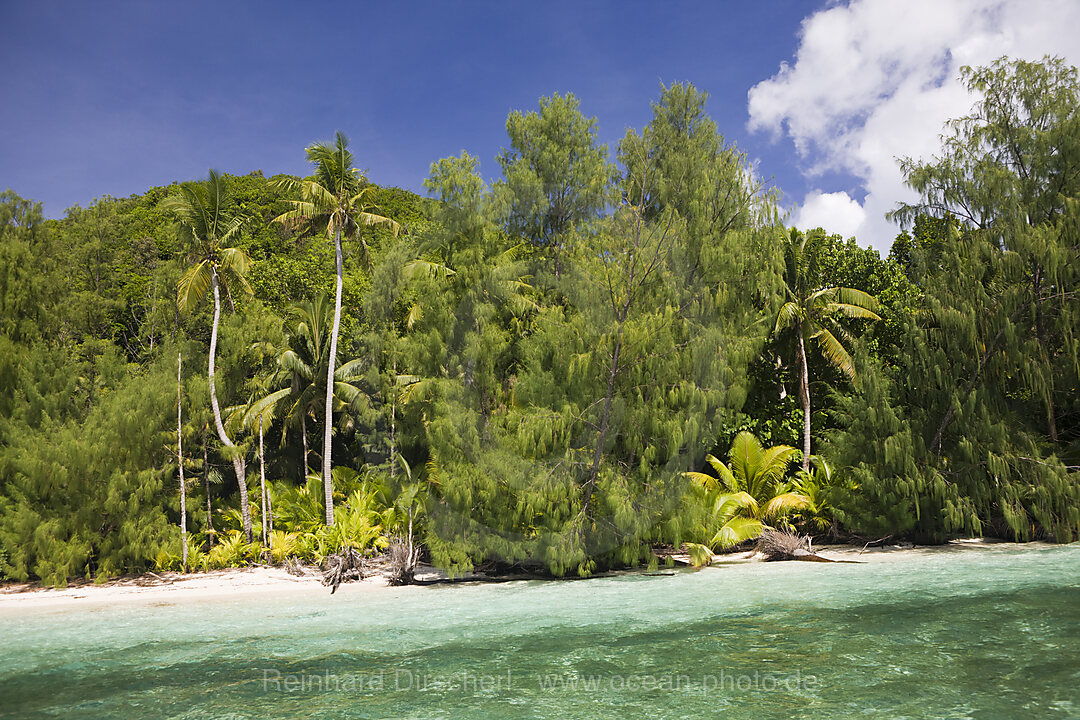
[875, 80]
[836, 212]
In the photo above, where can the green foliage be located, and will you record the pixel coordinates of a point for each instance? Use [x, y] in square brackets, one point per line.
[300, 374]
[573, 461]
[362, 519]
[28, 290]
[555, 175]
[86, 497]
[231, 550]
[746, 494]
[823, 489]
[973, 421]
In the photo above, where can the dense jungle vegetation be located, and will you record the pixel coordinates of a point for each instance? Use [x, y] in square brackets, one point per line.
[603, 352]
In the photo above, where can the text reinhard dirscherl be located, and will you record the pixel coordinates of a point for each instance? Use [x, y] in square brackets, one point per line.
[467, 681]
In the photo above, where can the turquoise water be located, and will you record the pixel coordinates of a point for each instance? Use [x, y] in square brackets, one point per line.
[980, 633]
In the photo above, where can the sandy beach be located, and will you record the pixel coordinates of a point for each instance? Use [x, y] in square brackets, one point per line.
[176, 587]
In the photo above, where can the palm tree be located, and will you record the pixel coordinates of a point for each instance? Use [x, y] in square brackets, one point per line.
[205, 228]
[246, 416]
[301, 370]
[337, 198]
[813, 314]
[746, 493]
[820, 486]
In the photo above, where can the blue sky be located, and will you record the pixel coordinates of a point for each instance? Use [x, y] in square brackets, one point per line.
[113, 98]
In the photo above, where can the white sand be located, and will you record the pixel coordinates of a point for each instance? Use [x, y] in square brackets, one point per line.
[170, 587]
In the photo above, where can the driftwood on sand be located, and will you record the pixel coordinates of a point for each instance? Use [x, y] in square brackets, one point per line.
[341, 567]
[780, 545]
[404, 556]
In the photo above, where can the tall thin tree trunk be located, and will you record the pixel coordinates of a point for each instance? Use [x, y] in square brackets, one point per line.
[270, 515]
[180, 464]
[262, 481]
[303, 429]
[393, 427]
[804, 396]
[328, 489]
[238, 458]
[303, 434]
[206, 484]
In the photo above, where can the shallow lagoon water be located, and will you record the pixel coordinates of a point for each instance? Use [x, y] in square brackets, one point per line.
[981, 633]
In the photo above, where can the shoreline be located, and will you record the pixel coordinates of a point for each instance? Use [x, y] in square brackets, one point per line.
[175, 587]
[172, 587]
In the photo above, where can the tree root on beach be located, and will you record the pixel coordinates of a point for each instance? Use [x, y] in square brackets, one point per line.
[403, 559]
[778, 545]
[341, 567]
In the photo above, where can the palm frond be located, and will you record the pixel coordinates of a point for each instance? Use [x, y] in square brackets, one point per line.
[415, 314]
[835, 353]
[745, 455]
[180, 206]
[851, 311]
[822, 466]
[425, 268]
[350, 370]
[266, 407]
[293, 363]
[301, 213]
[822, 297]
[346, 392]
[700, 555]
[232, 227]
[851, 296]
[235, 261]
[729, 505]
[194, 285]
[727, 479]
[788, 315]
[775, 461]
[286, 184]
[735, 531]
[786, 503]
[370, 219]
[702, 480]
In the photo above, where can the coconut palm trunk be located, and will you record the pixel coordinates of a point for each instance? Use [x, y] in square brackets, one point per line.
[237, 457]
[804, 398]
[303, 435]
[206, 484]
[262, 481]
[180, 465]
[303, 431]
[328, 490]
